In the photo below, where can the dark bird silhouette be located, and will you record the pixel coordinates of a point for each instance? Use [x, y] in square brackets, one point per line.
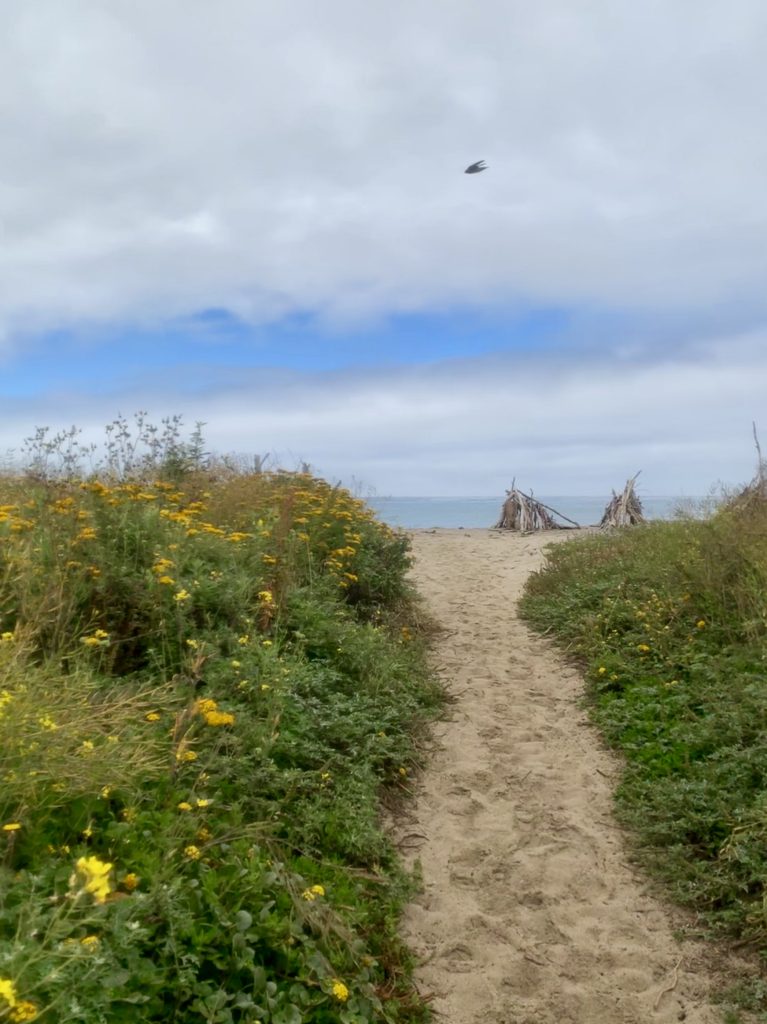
[476, 168]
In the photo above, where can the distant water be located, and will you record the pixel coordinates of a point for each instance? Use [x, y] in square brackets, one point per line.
[423, 513]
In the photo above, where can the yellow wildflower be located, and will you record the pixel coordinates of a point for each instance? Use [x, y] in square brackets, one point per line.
[340, 991]
[202, 803]
[184, 806]
[601, 670]
[8, 991]
[194, 644]
[310, 895]
[192, 852]
[90, 941]
[152, 716]
[201, 707]
[131, 881]
[96, 875]
[219, 718]
[701, 623]
[181, 596]
[47, 723]
[186, 755]
[167, 581]
[6, 637]
[266, 596]
[12, 826]
[24, 1011]
[243, 640]
[643, 648]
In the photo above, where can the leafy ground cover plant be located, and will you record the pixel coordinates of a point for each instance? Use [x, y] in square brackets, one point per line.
[669, 621]
[207, 678]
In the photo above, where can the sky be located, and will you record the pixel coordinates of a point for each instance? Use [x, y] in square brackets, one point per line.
[255, 216]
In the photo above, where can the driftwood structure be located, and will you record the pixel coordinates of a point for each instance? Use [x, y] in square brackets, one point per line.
[525, 513]
[623, 509]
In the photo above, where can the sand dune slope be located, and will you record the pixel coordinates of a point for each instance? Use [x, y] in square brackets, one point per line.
[531, 912]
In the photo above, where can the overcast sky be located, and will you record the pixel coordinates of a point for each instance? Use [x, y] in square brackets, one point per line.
[256, 215]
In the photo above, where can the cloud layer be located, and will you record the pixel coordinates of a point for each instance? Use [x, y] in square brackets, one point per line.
[162, 158]
[577, 425]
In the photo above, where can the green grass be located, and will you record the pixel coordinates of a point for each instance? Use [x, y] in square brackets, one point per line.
[669, 622]
[206, 686]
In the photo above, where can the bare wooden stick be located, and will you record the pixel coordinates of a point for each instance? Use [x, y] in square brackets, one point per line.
[671, 987]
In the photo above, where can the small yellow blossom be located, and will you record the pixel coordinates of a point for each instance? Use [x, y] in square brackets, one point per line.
[266, 596]
[184, 806]
[86, 747]
[186, 755]
[12, 826]
[47, 723]
[23, 1011]
[243, 640]
[266, 643]
[219, 718]
[8, 991]
[601, 670]
[152, 716]
[167, 581]
[194, 644]
[95, 873]
[202, 803]
[701, 623]
[192, 852]
[6, 637]
[265, 687]
[90, 941]
[181, 596]
[340, 991]
[204, 834]
[131, 881]
[310, 895]
[644, 648]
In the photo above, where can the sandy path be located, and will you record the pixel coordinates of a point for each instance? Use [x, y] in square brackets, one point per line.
[531, 913]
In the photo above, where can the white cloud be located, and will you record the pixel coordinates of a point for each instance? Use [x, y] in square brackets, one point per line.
[161, 158]
[575, 426]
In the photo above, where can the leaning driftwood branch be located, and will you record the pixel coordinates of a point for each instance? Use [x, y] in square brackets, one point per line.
[525, 513]
[623, 509]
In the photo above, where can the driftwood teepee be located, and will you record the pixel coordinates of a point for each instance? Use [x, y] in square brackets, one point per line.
[523, 512]
[624, 509]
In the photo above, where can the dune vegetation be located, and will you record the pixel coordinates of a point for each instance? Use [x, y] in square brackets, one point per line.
[669, 621]
[209, 679]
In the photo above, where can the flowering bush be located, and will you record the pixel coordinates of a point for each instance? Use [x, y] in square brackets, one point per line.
[203, 686]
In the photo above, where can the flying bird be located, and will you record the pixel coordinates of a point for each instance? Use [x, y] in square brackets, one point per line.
[476, 168]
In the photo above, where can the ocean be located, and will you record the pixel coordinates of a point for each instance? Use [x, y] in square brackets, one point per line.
[424, 513]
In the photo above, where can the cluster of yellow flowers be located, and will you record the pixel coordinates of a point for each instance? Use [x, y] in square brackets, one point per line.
[20, 1009]
[310, 895]
[208, 710]
[94, 874]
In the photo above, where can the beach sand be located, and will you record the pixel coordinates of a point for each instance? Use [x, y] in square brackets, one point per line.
[531, 912]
